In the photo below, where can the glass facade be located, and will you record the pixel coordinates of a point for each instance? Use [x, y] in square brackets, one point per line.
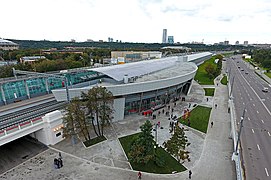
[36, 86]
[141, 102]
[1, 96]
[54, 83]
[14, 90]
[17, 90]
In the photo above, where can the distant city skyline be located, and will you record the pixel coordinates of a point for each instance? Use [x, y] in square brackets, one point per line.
[137, 20]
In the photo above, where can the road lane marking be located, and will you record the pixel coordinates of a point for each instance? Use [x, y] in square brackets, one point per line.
[246, 110]
[253, 104]
[258, 147]
[243, 103]
[267, 174]
[251, 99]
[248, 118]
[258, 112]
[262, 121]
[252, 131]
[268, 133]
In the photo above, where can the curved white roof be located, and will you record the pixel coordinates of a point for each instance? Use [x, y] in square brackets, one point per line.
[6, 42]
[140, 68]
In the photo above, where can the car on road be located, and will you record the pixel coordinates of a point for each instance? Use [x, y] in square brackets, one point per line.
[237, 61]
[246, 72]
[265, 89]
[242, 69]
[239, 67]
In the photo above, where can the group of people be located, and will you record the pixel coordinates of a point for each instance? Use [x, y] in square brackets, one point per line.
[58, 163]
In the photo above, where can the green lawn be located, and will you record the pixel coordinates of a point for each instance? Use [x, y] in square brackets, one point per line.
[268, 74]
[209, 91]
[201, 76]
[94, 141]
[224, 80]
[199, 118]
[170, 163]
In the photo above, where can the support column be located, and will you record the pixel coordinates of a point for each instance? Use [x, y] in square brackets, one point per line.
[176, 91]
[3, 94]
[46, 85]
[156, 95]
[140, 105]
[26, 89]
[189, 87]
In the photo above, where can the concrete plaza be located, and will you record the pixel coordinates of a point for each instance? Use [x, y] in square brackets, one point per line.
[210, 152]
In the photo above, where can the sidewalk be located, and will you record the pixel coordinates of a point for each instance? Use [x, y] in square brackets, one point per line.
[215, 162]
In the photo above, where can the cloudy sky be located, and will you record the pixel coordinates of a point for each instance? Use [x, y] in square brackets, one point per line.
[137, 20]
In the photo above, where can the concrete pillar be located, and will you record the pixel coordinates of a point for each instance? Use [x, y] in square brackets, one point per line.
[3, 94]
[189, 86]
[140, 105]
[27, 89]
[52, 130]
[47, 85]
[119, 105]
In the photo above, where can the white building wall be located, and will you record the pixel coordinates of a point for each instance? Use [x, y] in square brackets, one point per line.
[118, 106]
[52, 127]
[131, 88]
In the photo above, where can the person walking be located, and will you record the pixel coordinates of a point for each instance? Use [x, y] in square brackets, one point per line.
[212, 123]
[190, 174]
[139, 175]
[59, 155]
[215, 105]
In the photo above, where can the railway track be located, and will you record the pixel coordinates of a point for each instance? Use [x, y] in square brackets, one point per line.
[29, 114]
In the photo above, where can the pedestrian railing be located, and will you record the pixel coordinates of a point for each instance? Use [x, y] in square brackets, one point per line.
[20, 126]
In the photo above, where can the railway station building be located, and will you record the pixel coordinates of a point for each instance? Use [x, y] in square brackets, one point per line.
[143, 85]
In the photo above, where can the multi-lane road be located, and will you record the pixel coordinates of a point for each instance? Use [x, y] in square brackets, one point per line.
[256, 132]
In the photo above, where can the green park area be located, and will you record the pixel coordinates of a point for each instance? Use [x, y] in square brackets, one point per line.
[199, 118]
[209, 91]
[268, 74]
[224, 80]
[170, 164]
[207, 71]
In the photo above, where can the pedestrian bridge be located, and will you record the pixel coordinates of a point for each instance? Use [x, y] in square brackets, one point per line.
[46, 129]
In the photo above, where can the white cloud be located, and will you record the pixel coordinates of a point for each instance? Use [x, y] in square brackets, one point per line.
[137, 20]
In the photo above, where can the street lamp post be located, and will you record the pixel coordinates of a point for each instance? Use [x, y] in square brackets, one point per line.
[232, 86]
[240, 130]
[156, 133]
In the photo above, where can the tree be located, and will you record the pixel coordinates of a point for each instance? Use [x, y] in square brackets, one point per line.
[177, 144]
[106, 107]
[75, 122]
[142, 150]
[211, 71]
[99, 103]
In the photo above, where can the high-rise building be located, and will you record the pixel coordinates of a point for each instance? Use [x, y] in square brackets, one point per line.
[110, 39]
[170, 40]
[245, 42]
[237, 43]
[226, 42]
[164, 39]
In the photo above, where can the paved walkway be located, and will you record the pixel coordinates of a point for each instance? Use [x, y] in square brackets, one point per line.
[210, 152]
